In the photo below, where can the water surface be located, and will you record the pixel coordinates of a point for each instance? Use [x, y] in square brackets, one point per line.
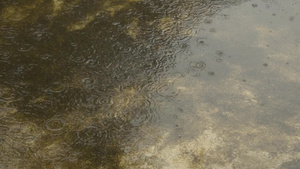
[149, 84]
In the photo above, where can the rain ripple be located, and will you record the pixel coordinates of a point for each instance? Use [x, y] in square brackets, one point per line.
[91, 136]
[78, 58]
[198, 65]
[195, 68]
[4, 55]
[55, 124]
[89, 83]
[7, 95]
[132, 107]
[57, 152]
[23, 133]
[56, 87]
[167, 90]
[25, 47]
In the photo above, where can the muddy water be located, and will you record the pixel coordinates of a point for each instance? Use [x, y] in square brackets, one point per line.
[149, 84]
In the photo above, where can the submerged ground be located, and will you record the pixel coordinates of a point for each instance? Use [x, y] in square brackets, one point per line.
[156, 84]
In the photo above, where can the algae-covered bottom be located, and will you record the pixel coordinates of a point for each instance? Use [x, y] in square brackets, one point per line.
[149, 84]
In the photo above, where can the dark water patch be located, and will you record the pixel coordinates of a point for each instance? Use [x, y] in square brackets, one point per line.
[78, 79]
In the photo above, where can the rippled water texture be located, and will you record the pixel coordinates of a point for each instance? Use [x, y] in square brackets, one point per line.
[149, 84]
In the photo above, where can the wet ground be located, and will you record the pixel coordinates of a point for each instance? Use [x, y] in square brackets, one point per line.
[149, 84]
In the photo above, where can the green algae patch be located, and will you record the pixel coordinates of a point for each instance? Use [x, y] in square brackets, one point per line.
[81, 24]
[128, 98]
[13, 14]
[20, 13]
[133, 30]
[57, 6]
[113, 7]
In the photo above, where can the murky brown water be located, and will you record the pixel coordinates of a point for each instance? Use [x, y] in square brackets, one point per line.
[149, 84]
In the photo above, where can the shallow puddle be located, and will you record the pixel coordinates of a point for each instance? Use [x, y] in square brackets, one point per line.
[149, 84]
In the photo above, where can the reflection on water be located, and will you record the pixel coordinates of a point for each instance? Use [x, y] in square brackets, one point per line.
[149, 84]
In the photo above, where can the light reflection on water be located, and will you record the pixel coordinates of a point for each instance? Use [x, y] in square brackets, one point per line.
[148, 84]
